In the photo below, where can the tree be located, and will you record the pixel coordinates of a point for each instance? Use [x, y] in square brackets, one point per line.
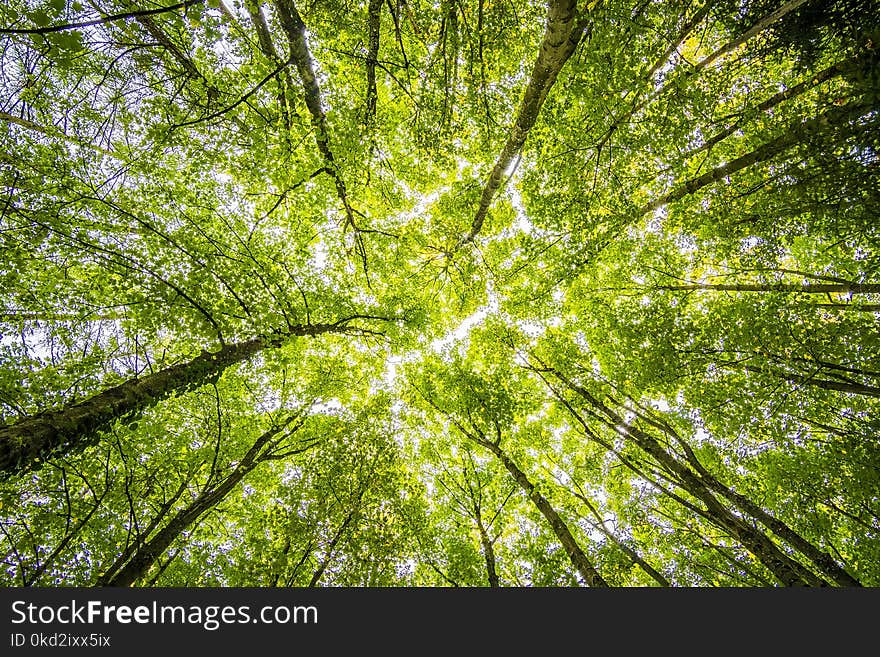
[590, 290]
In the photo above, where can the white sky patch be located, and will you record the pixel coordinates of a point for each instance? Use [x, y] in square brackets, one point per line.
[686, 244]
[38, 342]
[464, 169]
[581, 342]
[291, 474]
[421, 203]
[663, 71]
[224, 50]
[609, 522]
[328, 406]
[660, 404]
[561, 476]
[319, 248]
[512, 166]
[460, 332]
[390, 374]
[520, 360]
[522, 223]
[655, 225]
[31, 341]
[749, 243]
[532, 329]
[701, 435]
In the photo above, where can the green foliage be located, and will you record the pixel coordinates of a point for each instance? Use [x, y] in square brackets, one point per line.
[675, 283]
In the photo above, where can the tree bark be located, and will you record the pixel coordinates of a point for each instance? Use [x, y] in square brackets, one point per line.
[795, 134]
[374, 16]
[634, 556]
[295, 29]
[824, 384]
[561, 36]
[488, 555]
[787, 571]
[826, 565]
[831, 72]
[267, 47]
[572, 549]
[328, 553]
[149, 552]
[809, 288]
[34, 438]
[821, 560]
[759, 27]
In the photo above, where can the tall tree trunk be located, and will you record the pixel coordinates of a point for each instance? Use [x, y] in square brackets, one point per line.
[847, 65]
[147, 554]
[561, 36]
[634, 556]
[374, 16]
[572, 549]
[267, 47]
[295, 29]
[756, 29]
[142, 536]
[37, 437]
[788, 571]
[328, 553]
[821, 560]
[488, 554]
[796, 133]
[811, 380]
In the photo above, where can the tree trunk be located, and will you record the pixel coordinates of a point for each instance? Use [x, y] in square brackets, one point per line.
[561, 36]
[267, 47]
[638, 105]
[374, 16]
[488, 554]
[295, 29]
[795, 134]
[757, 28]
[788, 571]
[328, 553]
[832, 71]
[811, 380]
[821, 560]
[636, 558]
[809, 288]
[34, 438]
[575, 553]
[146, 555]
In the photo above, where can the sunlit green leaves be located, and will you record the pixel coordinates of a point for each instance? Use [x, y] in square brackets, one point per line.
[164, 195]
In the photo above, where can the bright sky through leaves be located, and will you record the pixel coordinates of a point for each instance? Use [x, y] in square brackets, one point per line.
[480, 293]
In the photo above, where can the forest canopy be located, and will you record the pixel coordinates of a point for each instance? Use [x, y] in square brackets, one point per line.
[439, 293]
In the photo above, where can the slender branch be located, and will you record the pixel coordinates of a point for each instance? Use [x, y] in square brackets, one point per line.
[107, 19]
